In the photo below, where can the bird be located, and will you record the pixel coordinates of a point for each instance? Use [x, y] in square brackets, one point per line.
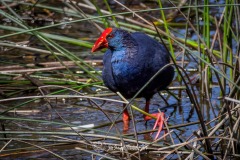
[130, 61]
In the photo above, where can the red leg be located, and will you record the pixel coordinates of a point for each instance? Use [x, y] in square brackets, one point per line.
[160, 117]
[126, 116]
[125, 119]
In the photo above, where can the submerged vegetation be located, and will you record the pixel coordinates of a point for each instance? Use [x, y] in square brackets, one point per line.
[54, 104]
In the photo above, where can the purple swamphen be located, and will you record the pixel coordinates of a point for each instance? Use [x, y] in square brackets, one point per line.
[130, 61]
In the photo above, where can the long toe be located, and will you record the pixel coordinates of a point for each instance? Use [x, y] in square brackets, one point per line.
[159, 123]
[160, 117]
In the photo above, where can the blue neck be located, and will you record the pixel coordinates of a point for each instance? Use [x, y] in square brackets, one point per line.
[119, 55]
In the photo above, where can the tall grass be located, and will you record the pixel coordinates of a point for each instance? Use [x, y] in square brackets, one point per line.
[210, 41]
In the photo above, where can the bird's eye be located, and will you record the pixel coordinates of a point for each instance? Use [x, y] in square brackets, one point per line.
[110, 36]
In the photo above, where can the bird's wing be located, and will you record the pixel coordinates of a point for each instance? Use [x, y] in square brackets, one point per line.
[153, 56]
[151, 50]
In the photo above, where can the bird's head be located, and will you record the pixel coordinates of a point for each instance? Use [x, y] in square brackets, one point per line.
[110, 38]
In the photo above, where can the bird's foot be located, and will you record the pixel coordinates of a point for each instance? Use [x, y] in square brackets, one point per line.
[159, 122]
